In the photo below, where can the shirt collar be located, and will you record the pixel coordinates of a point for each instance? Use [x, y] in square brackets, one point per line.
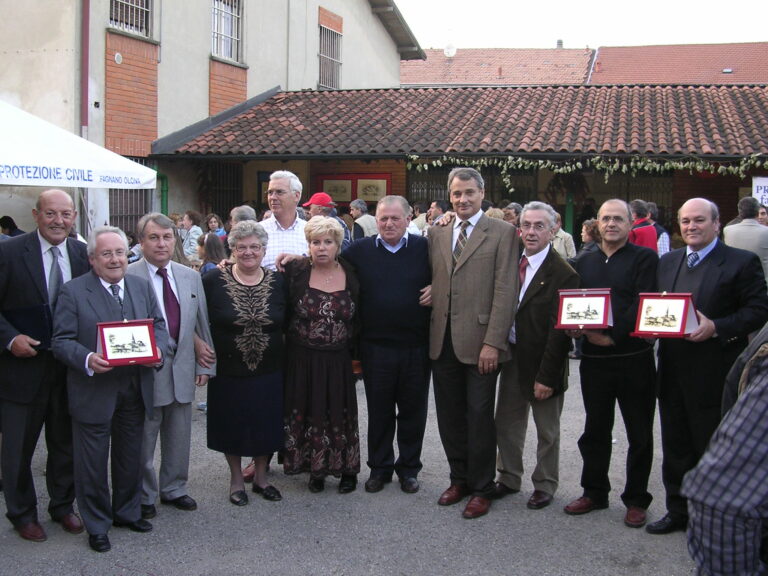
[107, 284]
[704, 252]
[472, 220]
[45, 245]
[535, 261]
[400, 243]
[291, 227]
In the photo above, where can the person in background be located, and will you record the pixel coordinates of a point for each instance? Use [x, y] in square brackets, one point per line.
[512, 213]
[662, 236]
[191, 222]
[365, 224]
[321, 204]
[285, 227]
[436, 211]
[344, 213]
[762, 215]
[210, 251]
[562, 241]
[420, 208]
[749, 234]
[590, 242]
[9, 228]
[134, 251]
[497, 213]
[214, 223]
[642, 233]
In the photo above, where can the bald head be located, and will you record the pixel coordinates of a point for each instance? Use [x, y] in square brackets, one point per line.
[699, 222]
[54, 214]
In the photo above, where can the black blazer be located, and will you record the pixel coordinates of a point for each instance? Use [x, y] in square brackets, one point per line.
[23, 285]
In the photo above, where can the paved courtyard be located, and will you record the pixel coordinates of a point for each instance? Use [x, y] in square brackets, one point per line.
[389, 533]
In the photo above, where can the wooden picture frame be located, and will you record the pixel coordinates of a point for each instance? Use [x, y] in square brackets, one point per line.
[128, 342]
[343, 188]
[584, 308]
[371, 190]
[665, 315]
[340, 190]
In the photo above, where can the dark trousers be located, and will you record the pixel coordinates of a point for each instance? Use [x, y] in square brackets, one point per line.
[92, 453]
[21, 426]
[396, 391]
[465, 399]
[630, 381]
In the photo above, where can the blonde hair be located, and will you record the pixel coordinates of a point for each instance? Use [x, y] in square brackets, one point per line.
[319, 226]
[495, 213]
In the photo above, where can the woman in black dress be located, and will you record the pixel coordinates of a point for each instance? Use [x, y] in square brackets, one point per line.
[246, 305]
[321, 430]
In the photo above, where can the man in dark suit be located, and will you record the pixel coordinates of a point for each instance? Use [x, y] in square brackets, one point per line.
[474, 288]
[33, 392]
[729, 293]
[106, 402]
[536, 376]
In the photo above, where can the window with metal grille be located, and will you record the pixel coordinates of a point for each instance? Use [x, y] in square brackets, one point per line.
[226, 29]
[330, 58]
[134, 16]
[225, 190]
[127, 205]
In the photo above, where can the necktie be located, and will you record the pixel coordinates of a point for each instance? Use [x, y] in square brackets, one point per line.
[172, 308]
[55, 278]
[461, 241]
[693, 257]
[521, 270]
[116, 294]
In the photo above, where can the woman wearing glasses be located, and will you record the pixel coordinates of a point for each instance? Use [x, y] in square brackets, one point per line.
[246, 305]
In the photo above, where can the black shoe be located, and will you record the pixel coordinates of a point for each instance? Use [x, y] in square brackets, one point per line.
[139, 525]
[667, 525]
[239, 498]
[182, 503]
[316, 485]
[501, 490]
[269, 492]
[376, 483]
[409, 485]
[348, 483]
[148, 511]
[99, 542]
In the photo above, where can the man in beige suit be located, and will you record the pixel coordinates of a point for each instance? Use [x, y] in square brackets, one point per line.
[474, 288]
[749, 234]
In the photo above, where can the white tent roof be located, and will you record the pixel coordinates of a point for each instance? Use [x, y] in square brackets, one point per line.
[34, 152]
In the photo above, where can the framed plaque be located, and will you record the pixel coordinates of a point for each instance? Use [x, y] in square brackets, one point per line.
[584, 309]
[128, 342]
[665, 315]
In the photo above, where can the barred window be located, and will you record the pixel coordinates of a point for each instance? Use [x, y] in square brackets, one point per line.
[132, 15]
[330, 58]
[226, 29]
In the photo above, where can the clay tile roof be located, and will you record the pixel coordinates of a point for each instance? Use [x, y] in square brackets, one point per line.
[498, 67]
[682, 64]
[714, 121]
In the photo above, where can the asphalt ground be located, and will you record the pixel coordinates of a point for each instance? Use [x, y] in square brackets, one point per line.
[388, 533]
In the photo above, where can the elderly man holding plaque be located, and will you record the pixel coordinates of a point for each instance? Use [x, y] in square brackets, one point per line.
[108, 404]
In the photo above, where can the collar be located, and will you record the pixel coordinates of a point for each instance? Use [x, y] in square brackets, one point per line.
[291, 227]
[472, 220]
[107, 284]
[537, 259]
[400, 243]
[704, 252]
[45, 245]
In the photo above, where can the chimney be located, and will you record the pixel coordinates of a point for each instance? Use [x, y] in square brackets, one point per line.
[559, 43]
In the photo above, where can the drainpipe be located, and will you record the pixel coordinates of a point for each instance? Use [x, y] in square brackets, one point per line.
[163, 180]
[85, 49]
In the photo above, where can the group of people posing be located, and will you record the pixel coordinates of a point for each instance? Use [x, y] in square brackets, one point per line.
[273, 332]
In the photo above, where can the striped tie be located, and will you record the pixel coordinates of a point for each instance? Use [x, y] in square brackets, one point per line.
[693, 257]
[461, 241]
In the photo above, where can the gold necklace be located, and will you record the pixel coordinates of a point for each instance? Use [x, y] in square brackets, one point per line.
[237, 277]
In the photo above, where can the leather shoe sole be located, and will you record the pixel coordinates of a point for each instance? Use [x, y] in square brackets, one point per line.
[269, 492]
[476, 507]
[538, 500]
[99, 542]
[454, 494]
[71, 523]
[148, 511]
[584, 505]
[409, 485]
[139, 525]
[376, 484]
[181, 503]
[666, 525]
[32, 531]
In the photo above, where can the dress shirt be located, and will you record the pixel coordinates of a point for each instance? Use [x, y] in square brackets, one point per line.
[402, 242]
[290, 240]
[662, 244]
[534, 263]
[157, 284]
[66, 268]
[703, 253]
[457, 227]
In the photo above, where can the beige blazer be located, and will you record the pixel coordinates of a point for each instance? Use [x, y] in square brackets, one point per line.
[481, 292]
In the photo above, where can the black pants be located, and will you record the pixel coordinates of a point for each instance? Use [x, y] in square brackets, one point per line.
[465, 401]
[630, 381]
[396, 391]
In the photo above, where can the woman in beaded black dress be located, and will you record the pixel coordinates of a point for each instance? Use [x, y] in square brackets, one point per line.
[246, 307]
[321, 430]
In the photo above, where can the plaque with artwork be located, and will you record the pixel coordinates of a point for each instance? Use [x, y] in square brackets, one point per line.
[584, 309]
[128, 342]
[665, 315]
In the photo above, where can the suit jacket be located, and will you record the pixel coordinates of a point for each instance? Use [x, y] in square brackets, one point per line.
[749, 235]
[176, 379]
[542, 351]
[23, 285]
[481, 291]
[83, 303]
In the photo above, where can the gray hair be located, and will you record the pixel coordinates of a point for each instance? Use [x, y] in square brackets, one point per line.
[242, 214]
[360, 205]
[639, 207]
[465, 173]
[91, 247]
[749, 207]
[246, 229]
[516, 207]
[295, 183]
[536, 205]
[393, 199]
[156, 217]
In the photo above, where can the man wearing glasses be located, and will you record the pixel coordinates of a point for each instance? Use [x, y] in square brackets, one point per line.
[285, 229]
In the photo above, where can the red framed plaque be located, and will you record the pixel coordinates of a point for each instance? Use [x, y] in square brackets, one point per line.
[128, 342]
[584, 308]
[665, 315]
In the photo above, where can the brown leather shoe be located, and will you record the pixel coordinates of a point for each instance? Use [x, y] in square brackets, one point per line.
[71, 523]
[32, 531]
[476, 507]
[635, 517]
[539, 499]
[583, 505]
[453, 495]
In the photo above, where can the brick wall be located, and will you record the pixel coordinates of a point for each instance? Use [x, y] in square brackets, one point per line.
[394, 167]
[227, 86]
[130, 101]
[330, 20]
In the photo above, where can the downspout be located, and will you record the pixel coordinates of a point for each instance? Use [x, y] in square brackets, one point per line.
[85, 50]
[163, 180]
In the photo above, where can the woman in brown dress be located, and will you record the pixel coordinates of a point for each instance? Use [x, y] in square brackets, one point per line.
[321, 430]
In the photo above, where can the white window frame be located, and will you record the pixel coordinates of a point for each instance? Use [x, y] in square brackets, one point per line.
[134, 16]
[226, 29]
[330, 59]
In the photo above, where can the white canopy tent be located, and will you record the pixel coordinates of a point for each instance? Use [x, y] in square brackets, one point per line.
[34, 152]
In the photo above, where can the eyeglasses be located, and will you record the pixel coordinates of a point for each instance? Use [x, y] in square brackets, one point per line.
[618, 219]
[108, 254]
[277, 192]
[243, 249]
[538, 227]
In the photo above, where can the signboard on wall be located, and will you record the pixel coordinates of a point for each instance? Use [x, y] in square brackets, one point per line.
[760, 189]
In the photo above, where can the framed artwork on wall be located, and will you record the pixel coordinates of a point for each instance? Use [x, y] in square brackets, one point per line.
[340, 190]
[344, 188]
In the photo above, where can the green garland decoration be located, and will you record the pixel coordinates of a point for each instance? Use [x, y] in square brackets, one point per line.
[609, 165]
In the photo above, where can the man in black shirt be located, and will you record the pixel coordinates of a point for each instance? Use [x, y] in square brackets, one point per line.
[617, 368]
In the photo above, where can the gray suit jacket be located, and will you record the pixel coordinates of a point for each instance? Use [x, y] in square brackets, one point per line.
[176, 379]
[749, 235]
[83, 303]
[481, 291]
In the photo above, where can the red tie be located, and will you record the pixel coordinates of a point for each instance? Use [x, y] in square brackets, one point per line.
[521, 270]
[172, 308]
